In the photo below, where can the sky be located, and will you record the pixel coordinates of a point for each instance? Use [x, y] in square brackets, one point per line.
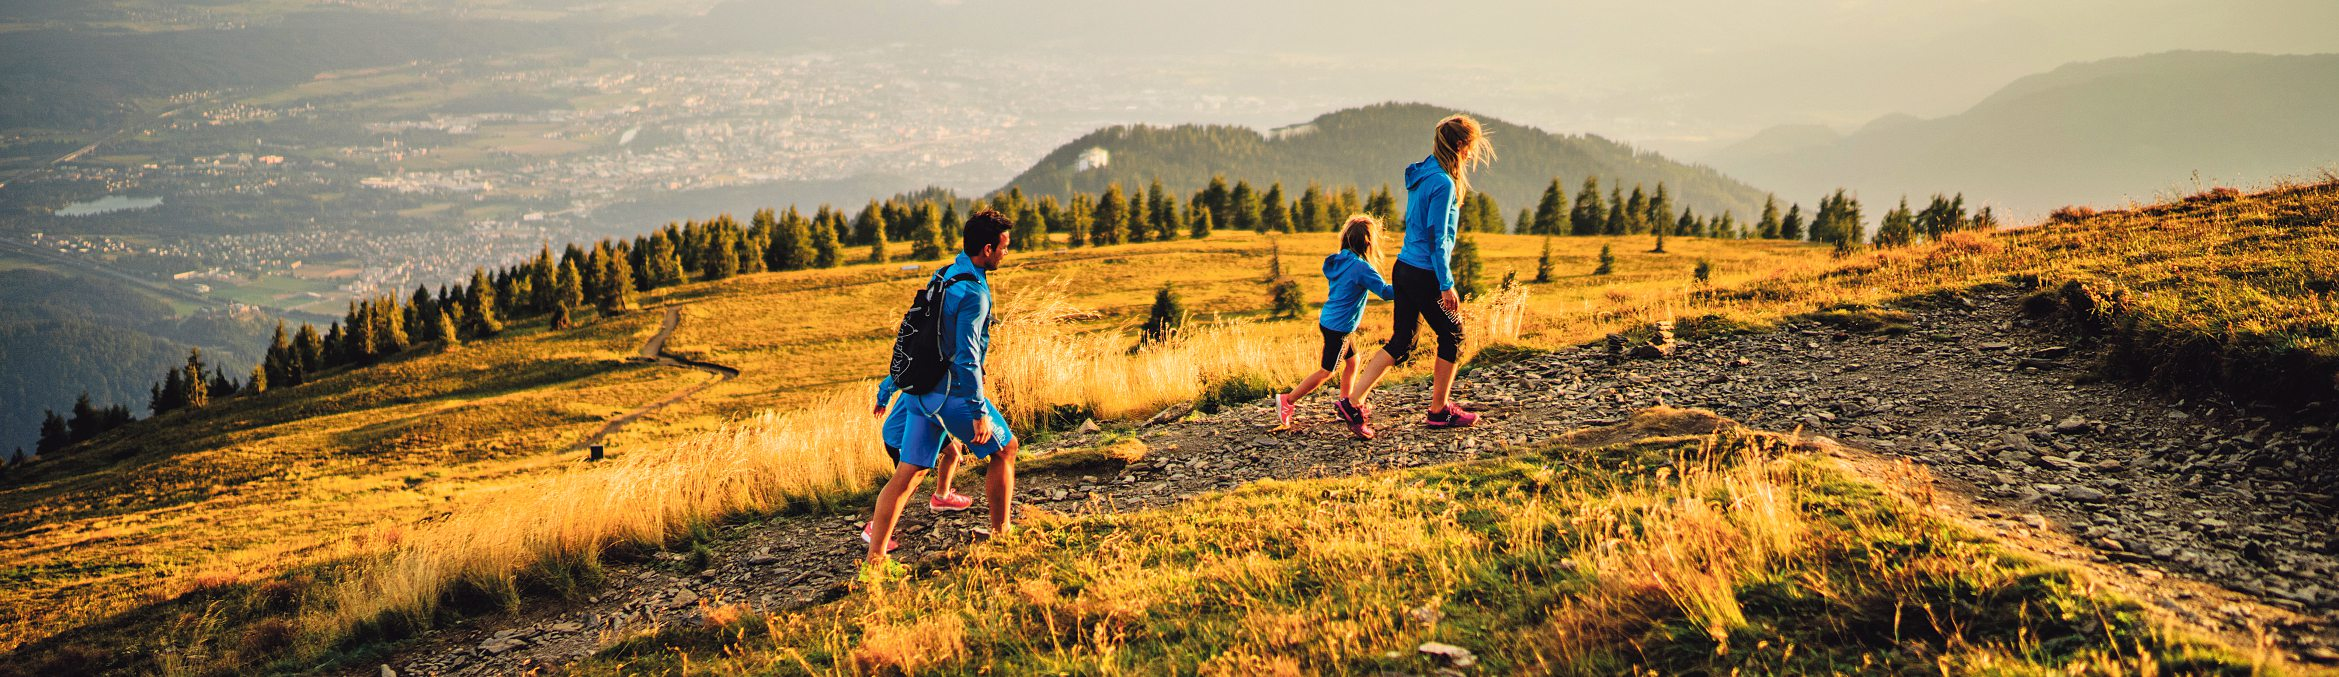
[1680, 76]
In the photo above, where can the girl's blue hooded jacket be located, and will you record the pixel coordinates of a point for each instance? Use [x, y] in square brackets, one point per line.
[1350, 276]
[1431, 213]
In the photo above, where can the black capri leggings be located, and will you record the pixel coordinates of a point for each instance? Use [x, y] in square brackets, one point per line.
[1417, 302]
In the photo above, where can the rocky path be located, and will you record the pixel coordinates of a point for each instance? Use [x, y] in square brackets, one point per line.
[654, 350]
[2188, 505]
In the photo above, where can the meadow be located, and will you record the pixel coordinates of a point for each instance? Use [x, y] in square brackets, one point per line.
[381, 545]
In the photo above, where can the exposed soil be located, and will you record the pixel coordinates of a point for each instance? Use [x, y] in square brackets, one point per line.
[654, 350]
[2189, 505]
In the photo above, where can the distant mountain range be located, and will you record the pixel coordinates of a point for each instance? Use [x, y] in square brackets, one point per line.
[2101, 133]
[1369, 147]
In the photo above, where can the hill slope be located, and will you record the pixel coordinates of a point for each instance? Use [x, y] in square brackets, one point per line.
[2100, 133]
[1369, 147]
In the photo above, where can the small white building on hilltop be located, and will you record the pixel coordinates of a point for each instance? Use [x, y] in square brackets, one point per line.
[1093, 158]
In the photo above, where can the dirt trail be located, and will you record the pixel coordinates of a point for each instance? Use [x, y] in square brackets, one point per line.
[2183, 504]
[654, 350]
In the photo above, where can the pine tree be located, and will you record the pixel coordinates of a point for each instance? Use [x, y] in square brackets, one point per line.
[722, 255]
[1551, 214]
[825, 245]
[662, 267]
[952, 227]
[259, 383]
[1274, 260]
[1274, 216]
[1704, 273]
[869, 225]
[1660, 209]
[1616, 224]
[1791, 227]
[1082, 220]
[54, 433]
[1687, 225]
[1588, 217]
[571, 284]
[1543, 263]
[540, 291]
[1031, 229]
[561, 317]
[1167, 315]
[1660, 228]
[310, 346]
[448, 337]
[1160, 213]
[1219, 200]
[197, 391]
[1490, 217]
[1111, 219]
[1243, 206]
[1284, 298]
[1201, 223]
[875, 236]
[86, 422]
[1607, 261]
[926, 237]
[391, 332]
[619, 297]
[1899, 228]
[1636, 212]
[1467, 268]
[1768, 227]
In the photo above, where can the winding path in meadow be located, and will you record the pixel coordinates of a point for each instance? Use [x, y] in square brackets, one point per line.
[654, 350]
[2183, 504]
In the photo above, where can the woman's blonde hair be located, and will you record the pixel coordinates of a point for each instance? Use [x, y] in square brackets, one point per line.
[1460, 145]
[1362, 235]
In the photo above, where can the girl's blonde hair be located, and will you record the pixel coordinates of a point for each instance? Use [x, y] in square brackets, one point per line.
[1362, 235]
[1460, 145]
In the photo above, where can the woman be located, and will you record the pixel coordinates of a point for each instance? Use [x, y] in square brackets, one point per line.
[1424, 275]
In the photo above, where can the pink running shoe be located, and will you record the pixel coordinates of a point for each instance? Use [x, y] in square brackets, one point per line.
[1284, 409]
[890, 544]
[1356, 417]
[950, 502]
[1451, 417]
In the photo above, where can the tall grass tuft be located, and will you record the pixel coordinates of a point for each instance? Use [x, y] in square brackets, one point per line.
[552, 534]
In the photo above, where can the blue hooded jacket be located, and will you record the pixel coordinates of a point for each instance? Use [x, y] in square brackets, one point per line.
[1431, 213]
[1350, 276]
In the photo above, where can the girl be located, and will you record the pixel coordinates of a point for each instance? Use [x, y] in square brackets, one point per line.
[1352, 271]
[1424, 274]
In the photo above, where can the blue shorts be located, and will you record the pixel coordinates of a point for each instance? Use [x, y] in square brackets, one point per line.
[931, 416]
[897, 422]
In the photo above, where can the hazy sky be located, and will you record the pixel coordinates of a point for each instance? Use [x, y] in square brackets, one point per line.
[1664, 74]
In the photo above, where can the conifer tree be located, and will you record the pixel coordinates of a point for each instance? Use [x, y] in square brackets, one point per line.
[561, 316]
[1636, 212]
[619, 297]
[448, 337]
[1274, 260]
[1607, 261]
[662, 267]
[197, 391]
[1274, 215]
[1284, 298]
[54, 433]
[1167, 315]
[86, 422]
[1616, 225]
[1490, 218]
[876, 239]
[722, 256]
[869, 225]
[926, 238]
[1588, 217]
[1525, 223]
[1660, 209]
[1201, 223]
[952, 228]
[390, 332]
[1704, 273]
[1791, 227]
[1382, 205]
[1899, 227]
[1551, 214]
[1219, 200]
[1243, 207]
[540, 290]
[825, 245]
[258, 385]
[1768, 227]
[310, 346]
[1081, 219]
[1031, 229]
[1111, 224]
[335, 340]
[1687, 225]
[1160, 213]
[1543, 263]
[571, 285]
[793, 241]
[1467, 268]
[1660, 249]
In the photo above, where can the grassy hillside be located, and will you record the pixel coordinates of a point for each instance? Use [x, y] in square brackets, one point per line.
[1369, 147]
[2104, 133]
[1676, 543]
[380, 548]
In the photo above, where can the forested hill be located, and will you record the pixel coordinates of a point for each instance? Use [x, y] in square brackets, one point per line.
[1369, 147]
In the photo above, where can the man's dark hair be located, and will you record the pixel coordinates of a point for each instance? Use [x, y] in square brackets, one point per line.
[984, 228]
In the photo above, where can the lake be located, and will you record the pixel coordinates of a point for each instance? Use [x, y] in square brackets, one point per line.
[110, 203]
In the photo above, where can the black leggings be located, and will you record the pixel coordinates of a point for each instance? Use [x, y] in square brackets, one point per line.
[1417, 302]
[1336, 348]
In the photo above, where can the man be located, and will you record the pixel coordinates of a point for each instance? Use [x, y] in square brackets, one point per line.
[956, 408]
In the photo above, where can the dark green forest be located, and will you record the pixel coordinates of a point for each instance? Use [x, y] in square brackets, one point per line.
[97, 336]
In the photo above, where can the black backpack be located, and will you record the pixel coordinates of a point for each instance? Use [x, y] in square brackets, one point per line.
[918, 358]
